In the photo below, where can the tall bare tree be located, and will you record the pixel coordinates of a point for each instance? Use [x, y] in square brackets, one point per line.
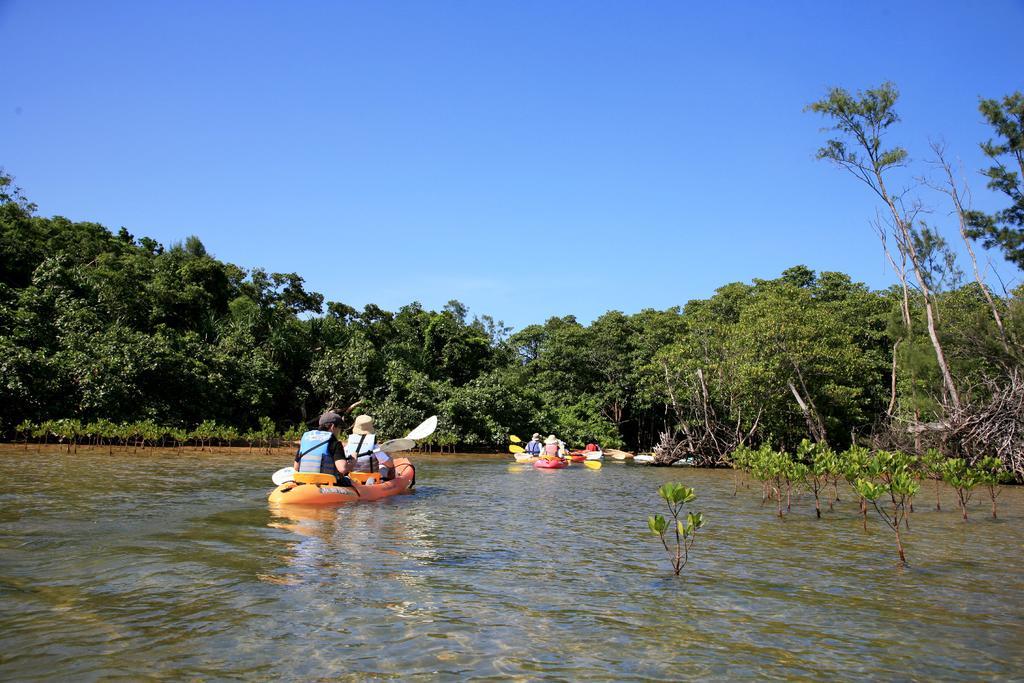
[862, 122]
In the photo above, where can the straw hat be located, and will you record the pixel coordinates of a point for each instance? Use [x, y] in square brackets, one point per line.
[551, 439]
[535, 436]
[363, 425]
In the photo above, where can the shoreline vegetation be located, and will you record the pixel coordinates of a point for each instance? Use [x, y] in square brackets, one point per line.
[70, 435]
[115, 340]
[283, 449]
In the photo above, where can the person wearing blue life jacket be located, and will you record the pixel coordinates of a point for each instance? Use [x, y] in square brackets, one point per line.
[363, 453]
[535, 446]
[321, 450]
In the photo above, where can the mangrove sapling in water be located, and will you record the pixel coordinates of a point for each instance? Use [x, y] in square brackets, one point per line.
[676, 495]
[771, 468]
[833, 471]
[963, 478]
[816, 459]
[25, 430]
[992, 473]
[854, 463]
[894, 476]
[740, 460]
[267, 432]
[796, 473]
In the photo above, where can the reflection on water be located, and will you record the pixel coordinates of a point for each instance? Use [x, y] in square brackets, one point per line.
[175, 565]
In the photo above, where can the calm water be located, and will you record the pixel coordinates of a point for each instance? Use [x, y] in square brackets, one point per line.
[173, 566]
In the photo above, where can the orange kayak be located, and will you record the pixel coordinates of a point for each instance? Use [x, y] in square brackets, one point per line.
[290, 493]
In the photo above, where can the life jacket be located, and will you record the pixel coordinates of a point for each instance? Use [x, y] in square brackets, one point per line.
[534, 447]
[551, 449]
[361, 447]
[314, 452]
[591, 447]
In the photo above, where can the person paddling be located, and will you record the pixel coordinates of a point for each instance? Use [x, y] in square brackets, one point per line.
[363, 455]
[553, 448]
[535, 446]
[320, 450]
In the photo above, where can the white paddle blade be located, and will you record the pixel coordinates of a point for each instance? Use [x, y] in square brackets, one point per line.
[425, 429]
[395, 445]
[282, 475]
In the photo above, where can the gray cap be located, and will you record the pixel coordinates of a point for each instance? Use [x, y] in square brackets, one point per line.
[331, 418]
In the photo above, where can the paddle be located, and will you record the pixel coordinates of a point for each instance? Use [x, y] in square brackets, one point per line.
[516, 449]
[282, 475]
[396, 445]
[593, 464]
[514, 439]
[425, 429]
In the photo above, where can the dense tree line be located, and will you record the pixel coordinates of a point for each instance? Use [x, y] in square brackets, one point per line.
[102, 326]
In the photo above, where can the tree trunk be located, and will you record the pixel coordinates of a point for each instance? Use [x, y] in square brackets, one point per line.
[813, 421]
[954, 194]
[907, 245]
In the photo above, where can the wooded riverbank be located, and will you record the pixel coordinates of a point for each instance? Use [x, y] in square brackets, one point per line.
[120, 338]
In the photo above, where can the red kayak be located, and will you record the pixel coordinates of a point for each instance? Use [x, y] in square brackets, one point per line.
[550, 464]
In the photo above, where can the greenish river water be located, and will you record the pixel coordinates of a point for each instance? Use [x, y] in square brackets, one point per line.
[172, 565]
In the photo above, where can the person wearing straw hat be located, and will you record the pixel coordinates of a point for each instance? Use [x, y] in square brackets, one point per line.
[535, 446]
[363, 453]
[553, 447]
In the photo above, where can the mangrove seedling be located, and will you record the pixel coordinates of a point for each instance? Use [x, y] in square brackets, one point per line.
[854, 463]
[819, 461]
[992, 473]
[676, 495]
[897, 479]
[963, 478]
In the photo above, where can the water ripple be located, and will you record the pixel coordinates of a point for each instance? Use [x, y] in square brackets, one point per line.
[162, 565]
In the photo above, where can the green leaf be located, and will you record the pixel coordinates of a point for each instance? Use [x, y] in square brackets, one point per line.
[657, 524]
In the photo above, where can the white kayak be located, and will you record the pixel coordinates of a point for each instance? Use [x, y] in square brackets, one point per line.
[594, 455]
[644, 458]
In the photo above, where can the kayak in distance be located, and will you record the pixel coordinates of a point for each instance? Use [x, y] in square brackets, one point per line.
[295, 493]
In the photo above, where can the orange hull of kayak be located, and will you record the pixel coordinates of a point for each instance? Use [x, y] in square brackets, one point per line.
[290, 493]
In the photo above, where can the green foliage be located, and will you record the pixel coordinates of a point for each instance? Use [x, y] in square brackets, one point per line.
[863, 120]
[121, 334]
[1005, 228]
[891, 474]
[676, 495]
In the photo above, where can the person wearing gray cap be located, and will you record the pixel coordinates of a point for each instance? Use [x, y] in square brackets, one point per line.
[322, 450]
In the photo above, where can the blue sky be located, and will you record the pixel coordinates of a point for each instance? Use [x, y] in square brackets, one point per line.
[527, 158]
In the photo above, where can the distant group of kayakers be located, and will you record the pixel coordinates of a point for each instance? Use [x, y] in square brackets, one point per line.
[553, 447]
